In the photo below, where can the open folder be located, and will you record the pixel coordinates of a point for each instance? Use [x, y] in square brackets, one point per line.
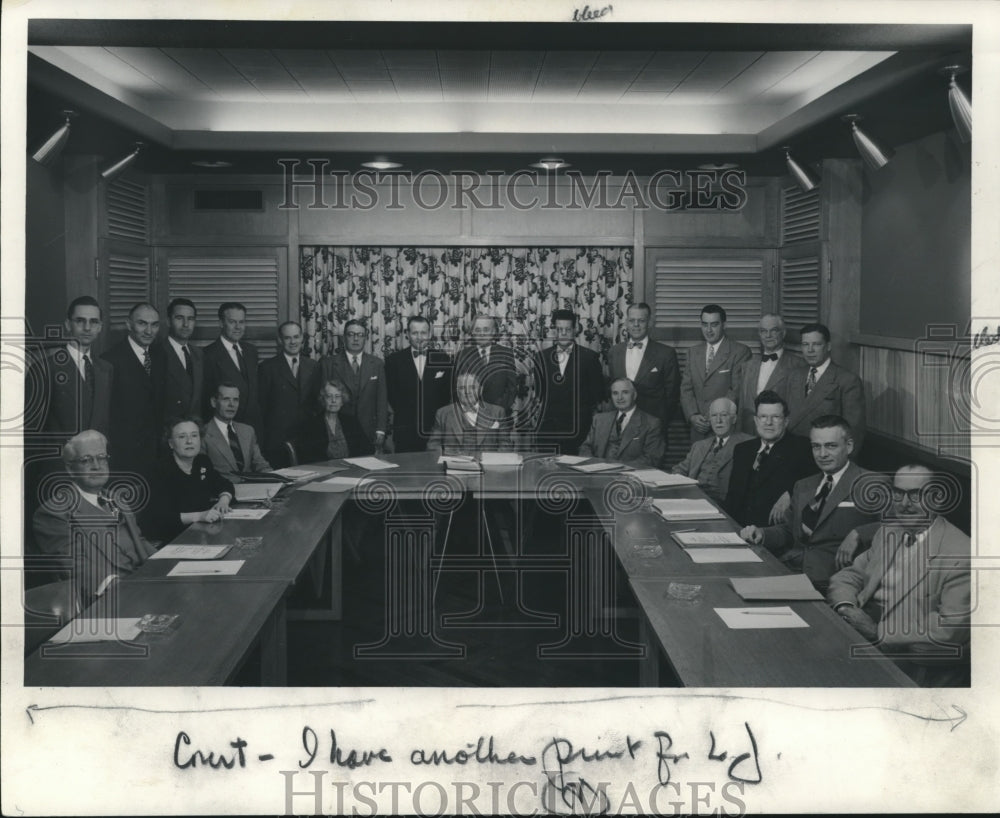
[788, 587]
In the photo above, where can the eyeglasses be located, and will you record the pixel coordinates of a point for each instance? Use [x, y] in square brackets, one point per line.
[770, 418]
[913, 495]
[91, 460]
[354, 334]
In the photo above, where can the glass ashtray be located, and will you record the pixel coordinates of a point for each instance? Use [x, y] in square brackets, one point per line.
[248, 545]
[683, 592]
[157, 623]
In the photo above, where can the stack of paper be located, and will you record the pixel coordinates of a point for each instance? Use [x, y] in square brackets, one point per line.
[788, 587]
[460, 464]
[295, 473]
[97, 630]
[709, 555]
[190, 552]
[204, 569]
[501, 459]
[570, 459]
[687, 510]
[659, 479]
[370, 463]
[597, 467]
[711, 538]
[249, 492]
[246, 513]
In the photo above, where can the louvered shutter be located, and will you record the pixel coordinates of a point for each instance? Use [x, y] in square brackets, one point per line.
[799, 216]
[800, 290]
[128, 211]
[801, 257]
[684, 284]
[128, 284]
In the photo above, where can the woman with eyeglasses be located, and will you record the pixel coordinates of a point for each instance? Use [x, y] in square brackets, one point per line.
[331, 434]
[187, 488]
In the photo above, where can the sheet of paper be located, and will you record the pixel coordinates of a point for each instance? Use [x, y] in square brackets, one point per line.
[248, 492]
[707, 555]
[370, 463]
[501, 459]
[743, 618]
[687, 538]
[570, 459]
[295, 473]
[599, 467]
[190, 552]
[247, 513]
[97, 630]
[456, 459]
[789, 586]
[336, 484]
[204, 569]
[661, 479]
[686, 509]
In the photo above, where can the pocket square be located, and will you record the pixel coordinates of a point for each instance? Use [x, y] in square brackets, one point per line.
[845, 504]
[439, 375]
[654, 369]
[375, 377]
[495, 424]
[724, 371]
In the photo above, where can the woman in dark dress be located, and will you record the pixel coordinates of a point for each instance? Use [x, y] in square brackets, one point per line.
[331, 434]
[187, 488]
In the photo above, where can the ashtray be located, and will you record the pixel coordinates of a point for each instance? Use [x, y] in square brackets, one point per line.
[683, 592]
[648, 552]
[157, 623]
[248, 545]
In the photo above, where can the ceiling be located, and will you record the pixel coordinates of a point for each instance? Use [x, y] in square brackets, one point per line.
[249, 92]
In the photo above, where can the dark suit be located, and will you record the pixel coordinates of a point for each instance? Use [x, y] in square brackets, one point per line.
[453, 434]
[837, 392]
[62, 391]
[752, 494]
[220, 367]
[369, 396]
[415, 401]
[657, 383]
[136, 408]
[313, 438]
[567, 400]
[815, 557]
[640, 445]
[286, 402]
[497, 376]
[699, 387]
[711, 469]
[181, 391]
[744, 389]
[216, 446]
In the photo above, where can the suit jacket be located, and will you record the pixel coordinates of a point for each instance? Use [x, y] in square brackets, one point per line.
[641, 443]
[415, 401]
[92, 554]
[311, 442]
[68, 407]
[219, 368]
[838, 518]
[369, 394]
[136, 407]
[216, 446]
[453, 434]
[712, 473]
[751, 494]
[744, 389]
[497, 377]
[838, 392]
[286, 401]
[657, 382]
[700, 387]
[181, 392]
[567, 400]
[933, 609]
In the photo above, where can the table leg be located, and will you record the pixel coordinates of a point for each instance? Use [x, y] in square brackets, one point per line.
[274, 648]
[649, 666]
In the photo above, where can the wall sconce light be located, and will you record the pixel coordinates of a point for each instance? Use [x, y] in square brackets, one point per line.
[871, 151]
[114, 170]
[49, 152]
[806, 179]
[961, 107]
[550, 163]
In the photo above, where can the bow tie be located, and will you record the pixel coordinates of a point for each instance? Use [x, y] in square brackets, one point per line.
[419, 355]
[635, 344]
[771, 357]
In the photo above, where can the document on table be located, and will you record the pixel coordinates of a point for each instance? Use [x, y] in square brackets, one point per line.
[743, 618]
[660, 479]
[597, 467]
[97, 630]
[248, 492]
[190, 552]
[500, 459]
[370, 463]
[570, 459]
[247, 513]
[298, 474]
[715, 538]
[703, 554]
[336, 484]
[789, 586]
[204, 569]
[459, 464]
[688, 510]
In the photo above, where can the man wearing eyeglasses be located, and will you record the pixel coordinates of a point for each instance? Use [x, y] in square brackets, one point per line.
[364, 375]
[80, 521]
[909, 593]
[288, 385]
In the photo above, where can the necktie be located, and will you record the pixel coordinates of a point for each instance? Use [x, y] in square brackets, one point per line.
[635, 344]
[771, 357]
[88, 374]
[147, 361]
[234, 445]
[810, 514]
[710, 358]
[295, 367]
[240, 363]
[483, 353]
[718, 446]
[355, 366]
[811, 381]
[619, 422]
[188, 366]
[761, 458]
[107, 504]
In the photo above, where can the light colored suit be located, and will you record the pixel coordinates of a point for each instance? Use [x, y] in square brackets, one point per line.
[837, 392]
[216, 446]
[641, 443]
[453, 434]
[744, 389]
[699, 387]
[712, 471]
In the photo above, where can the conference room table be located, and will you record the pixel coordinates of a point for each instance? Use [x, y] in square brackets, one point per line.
[610, 525]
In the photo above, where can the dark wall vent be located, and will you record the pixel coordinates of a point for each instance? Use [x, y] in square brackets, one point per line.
[238, 199]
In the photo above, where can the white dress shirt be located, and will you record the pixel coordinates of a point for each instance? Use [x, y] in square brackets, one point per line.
[139, 350]
[77, 357]
[766, 370]
[633, 358]
[231, 349]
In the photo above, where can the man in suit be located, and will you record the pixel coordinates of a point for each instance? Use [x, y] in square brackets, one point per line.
[765, 468]
[470, 424]
[99, 539]
[418, 383]
[910, 592]
[770, 370]
[231, 446]
[71, 386]
[710, 461]
[493, 364]
[709, 371]
[570, 386]
[626, 434]
[289, 385]
[233, 360]
[137, 392]
[824, 388]
[823, 510]
[650, 365]
[185, 367]
[364, 376]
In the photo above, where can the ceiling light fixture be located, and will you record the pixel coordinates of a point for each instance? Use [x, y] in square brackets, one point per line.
[550, 163]
[118, 167]
[876, 155]
[961, 107]
[806, 179]
[381, 164]
[718, 166]
[49, 152]
[211, 163]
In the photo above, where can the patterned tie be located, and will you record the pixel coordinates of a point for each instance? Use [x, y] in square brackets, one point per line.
[761, 458]
[240, 363]
[711, 357]
[619, 422]
[188, 365]
[718, 446]
[147, 361]
[484, 353]
[811, 381]
[811, 513]
[88, 374]
[355, 366]
[234, 444]
[108, 505]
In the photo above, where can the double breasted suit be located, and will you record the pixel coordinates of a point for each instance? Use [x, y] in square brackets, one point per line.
[752, 494]
[415, 400]
[567, 399]
[136, 407]
[220, 368]
[181, 390]
[837, 392]
[640, 444]
[497, 374]
[369, 403]
[454, 434]
[711, 469]
[657, 383]
[700, 386]
[744, 389]
[68, 405]
[216, 446]
[286, 402]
